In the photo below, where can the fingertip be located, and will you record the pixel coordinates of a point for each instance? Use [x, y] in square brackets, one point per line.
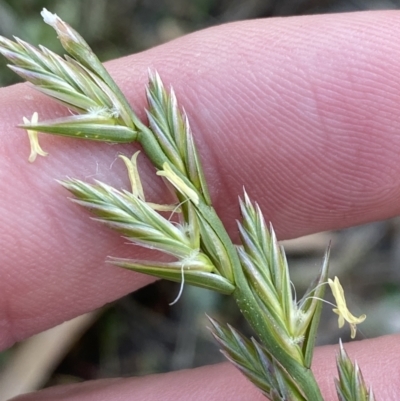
[377, 358]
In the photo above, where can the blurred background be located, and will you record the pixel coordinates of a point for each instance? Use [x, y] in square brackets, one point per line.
[141, 333]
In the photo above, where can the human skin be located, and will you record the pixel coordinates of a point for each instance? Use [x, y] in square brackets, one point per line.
[303, 111]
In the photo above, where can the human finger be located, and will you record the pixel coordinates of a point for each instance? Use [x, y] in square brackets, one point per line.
[302, 111]
[377, 358]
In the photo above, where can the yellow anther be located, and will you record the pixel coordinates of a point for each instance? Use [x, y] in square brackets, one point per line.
[178, 183]
[33, 138]
[134, 178]
[137, 187]
[341, 309]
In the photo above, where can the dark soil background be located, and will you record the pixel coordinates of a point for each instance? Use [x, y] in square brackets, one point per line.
[141, 333]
